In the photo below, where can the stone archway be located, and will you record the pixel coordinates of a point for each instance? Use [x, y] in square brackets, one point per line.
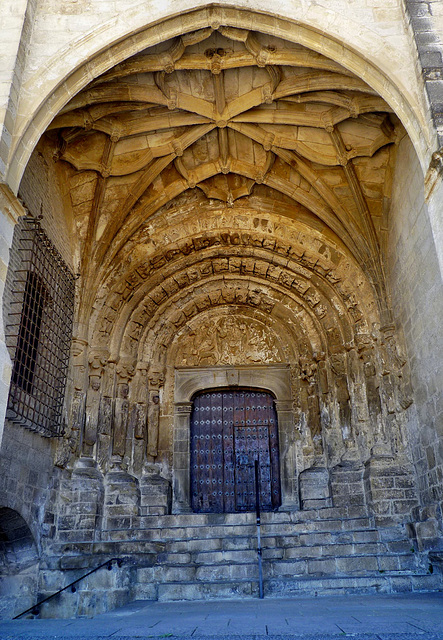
[224, 178]
[19, 563]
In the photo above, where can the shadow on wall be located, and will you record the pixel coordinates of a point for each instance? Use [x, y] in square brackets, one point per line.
[19, 564]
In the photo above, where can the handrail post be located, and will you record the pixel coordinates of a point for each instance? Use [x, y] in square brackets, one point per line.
[257, 512]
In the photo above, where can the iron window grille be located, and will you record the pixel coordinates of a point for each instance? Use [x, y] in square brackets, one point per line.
[39, 333]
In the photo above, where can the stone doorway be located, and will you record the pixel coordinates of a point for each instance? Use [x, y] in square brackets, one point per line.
[230, 430]
[273, 379]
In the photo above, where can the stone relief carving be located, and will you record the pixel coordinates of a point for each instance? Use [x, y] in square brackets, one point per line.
[156, 381]
[228, 341]
[125, 372]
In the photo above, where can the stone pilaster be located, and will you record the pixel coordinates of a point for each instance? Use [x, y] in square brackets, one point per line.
[10, 211]
[181, 458]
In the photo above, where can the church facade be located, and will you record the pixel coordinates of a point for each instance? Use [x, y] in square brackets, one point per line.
[222, 258]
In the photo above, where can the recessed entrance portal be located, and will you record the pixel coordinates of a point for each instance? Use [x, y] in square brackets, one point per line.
[230, 430]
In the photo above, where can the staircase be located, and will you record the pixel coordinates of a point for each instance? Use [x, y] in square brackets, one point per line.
[213, 556]
[309, 553]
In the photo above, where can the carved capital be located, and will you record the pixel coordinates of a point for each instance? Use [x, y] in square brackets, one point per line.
[283, 405]
[125, 371]
[10, 205]
[78, 347]
[434, 172]
[183, 407]
[156, 379]
[97, 363]
[307, 369]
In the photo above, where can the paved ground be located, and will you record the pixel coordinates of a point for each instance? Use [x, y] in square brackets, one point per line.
[399, 617]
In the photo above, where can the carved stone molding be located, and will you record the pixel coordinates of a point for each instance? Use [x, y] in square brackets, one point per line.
[10, 205]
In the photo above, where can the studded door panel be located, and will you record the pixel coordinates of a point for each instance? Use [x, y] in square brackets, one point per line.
[230, 429]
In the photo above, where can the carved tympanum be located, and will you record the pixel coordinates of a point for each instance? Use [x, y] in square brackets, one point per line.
[228, 340]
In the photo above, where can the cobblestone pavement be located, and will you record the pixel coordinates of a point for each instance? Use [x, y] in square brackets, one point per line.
[381, 617]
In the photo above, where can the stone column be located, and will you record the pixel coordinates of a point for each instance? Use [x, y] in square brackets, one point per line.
[78, 405]
[124, 371]
[139, 416]
[97, 363]
[156, 381]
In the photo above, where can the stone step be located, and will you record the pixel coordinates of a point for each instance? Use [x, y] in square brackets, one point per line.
[244, 529]
[249, 553]
[337, 585]
[286, 587]
[222, 568]
[204, 519]
[288, 540]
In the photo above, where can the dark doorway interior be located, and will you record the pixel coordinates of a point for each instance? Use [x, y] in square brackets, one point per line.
[230, 430]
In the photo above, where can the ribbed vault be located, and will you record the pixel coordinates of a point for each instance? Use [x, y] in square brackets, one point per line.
[224, 111]
[230, 191]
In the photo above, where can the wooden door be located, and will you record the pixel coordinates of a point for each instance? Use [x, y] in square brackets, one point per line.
[230, 429]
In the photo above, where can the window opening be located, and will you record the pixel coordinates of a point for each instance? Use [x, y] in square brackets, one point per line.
[40, 332]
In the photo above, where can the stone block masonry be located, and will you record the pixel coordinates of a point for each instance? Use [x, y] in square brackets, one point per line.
[425, 20]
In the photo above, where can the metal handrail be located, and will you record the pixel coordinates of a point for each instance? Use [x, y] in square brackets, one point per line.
[35, 609]
[257, 518]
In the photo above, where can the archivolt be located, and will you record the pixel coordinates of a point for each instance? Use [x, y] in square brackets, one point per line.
[330, 314]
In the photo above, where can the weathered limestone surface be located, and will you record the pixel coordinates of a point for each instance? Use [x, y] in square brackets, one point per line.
[414, 274]
[241, 201]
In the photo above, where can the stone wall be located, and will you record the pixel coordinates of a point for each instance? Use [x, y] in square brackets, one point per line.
[417, 298]
[26, 465]
[41, 194]
[426, 20]
[18, 564]
[26, 458]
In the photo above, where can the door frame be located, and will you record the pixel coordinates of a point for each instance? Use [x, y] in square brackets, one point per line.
[274, 378]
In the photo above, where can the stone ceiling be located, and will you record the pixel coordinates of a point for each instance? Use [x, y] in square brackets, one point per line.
[231, 118]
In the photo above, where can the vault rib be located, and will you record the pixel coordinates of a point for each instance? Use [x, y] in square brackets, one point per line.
[355, 186]
[153, 202]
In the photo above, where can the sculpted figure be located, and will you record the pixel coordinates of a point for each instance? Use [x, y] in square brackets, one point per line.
[77, 416]
[156, 380]
[97, 364]
[139, 415]
[124, 375]
[228, 340]
[79, 363]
